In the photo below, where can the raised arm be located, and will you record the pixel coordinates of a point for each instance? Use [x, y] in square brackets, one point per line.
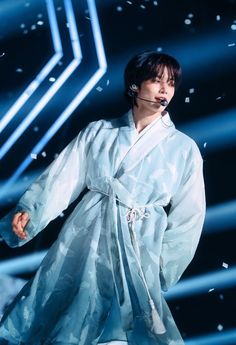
[51, 193]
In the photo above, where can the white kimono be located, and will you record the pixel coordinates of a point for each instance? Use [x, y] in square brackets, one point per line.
[102, 278]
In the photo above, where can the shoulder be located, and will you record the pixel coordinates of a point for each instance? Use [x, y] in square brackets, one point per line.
[187, 146]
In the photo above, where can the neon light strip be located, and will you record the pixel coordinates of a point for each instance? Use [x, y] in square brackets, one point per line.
[24, 263]
[222, 129]
[221, 338]
[224, 278]
[220, 217]
[54, 88]
[73, 105]
[43, 73]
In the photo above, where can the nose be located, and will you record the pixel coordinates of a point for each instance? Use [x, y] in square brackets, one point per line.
[163, 87]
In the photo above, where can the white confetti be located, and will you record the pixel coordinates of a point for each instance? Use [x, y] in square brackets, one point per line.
[187, 21]
[187, 100]
[143, 7]
[52, 79]
[129, 2]
[190, 15]
[19, 70]
[33, 27]
[33, 155]
[155, 3]
[212, 289]
[62, 215]
[40, 22]
[22, 26]
[1, 55]
[218, 17]
[119, 8]
[44, 154]
[25, 32]
[218, 98]
[191, 90]
[108, 82]
[67, 25]
[36, 128]
[60, 63]
[59, 8]
[221, 296]
[220, 327]
[159, 49]
[99, 88]
[205, 144]
[233, 27]
[27, 4]
[225, 265]
[39, 15]
[231, 44]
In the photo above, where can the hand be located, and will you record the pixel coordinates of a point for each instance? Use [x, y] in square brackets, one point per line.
[19, 222]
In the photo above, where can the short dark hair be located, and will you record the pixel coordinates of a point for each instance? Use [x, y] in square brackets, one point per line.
[147, 65]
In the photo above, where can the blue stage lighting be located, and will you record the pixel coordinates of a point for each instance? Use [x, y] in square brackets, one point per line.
[39, 78]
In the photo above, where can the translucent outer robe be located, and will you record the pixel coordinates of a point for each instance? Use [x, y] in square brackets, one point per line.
[102, 278]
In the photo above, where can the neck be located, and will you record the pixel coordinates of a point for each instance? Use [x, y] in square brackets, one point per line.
[143, 117]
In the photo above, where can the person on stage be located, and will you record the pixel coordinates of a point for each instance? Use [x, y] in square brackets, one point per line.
[131, 236]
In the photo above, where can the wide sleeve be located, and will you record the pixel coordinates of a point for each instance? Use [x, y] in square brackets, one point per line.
[52, 192]
[185, 222]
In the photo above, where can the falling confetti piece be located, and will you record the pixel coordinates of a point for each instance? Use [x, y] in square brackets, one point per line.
[59, 8]
[108, 81]
[52, 79]
[119, 8]
[190, 15]
[155, 3]
[19, 70]
[221, 296]
[210, 290]
[218, 18]
[220, 327]
[231, 44]
[62, 215]
[191, 90]
[187, 100]
[129, 2]
[218, 98]
[225, 265]
[22, 26]
[33, 155]
[205, 144]
[233, 27]
[143, 7]
[25, 32]
[33, 27]
[99, 88]
[187, 21]
[40, 15]
[44, 154]
[159, 49]
[40, 22]
[36, 128]
[1, 55]
[27, 4]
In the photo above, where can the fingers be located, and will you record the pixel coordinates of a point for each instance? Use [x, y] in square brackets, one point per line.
[19, 222]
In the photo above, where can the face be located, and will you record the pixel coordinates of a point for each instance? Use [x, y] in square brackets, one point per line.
[162, 86]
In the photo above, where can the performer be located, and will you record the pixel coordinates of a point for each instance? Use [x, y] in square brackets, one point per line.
[102, 279]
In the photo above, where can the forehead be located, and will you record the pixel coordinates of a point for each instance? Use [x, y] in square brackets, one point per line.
[162, 69]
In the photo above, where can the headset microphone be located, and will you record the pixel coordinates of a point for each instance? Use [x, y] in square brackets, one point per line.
[163, 102]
